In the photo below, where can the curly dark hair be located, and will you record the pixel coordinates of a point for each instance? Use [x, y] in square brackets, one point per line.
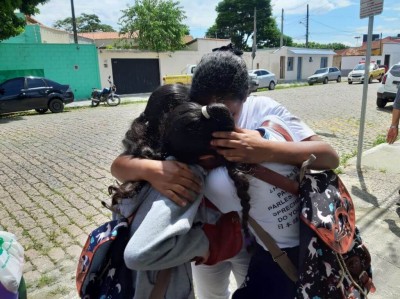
[143, 139]
[220, 75]
[187, 136]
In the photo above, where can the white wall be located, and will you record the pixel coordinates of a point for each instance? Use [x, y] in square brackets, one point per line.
[54, 36]
[394, 51]
[349, 62]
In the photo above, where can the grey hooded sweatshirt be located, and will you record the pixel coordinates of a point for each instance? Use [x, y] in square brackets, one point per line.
[165, 235]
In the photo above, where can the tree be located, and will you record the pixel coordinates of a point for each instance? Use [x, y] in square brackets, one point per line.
[12, 24]
[235, 20]
[84, 23]
[155, 24]
[314, 45]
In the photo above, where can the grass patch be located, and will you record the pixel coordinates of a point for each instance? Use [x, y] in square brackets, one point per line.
[379, 140]
[45, 280]
[291, 85]
[345, 158]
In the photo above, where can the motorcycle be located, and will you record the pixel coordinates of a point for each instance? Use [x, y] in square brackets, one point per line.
[107, 95]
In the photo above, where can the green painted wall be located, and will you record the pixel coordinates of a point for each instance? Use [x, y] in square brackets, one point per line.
[76, 65]
[31, 35]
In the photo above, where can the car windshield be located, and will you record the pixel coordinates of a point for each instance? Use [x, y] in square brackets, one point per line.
[321, 71]
[360, 67]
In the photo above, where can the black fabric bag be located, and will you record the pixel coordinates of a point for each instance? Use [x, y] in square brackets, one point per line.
[101, 271]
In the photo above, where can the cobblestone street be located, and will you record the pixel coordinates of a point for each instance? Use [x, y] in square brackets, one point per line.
[54, 170]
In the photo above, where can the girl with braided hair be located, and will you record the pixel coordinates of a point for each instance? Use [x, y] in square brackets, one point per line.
[222, 77]
[164, 235]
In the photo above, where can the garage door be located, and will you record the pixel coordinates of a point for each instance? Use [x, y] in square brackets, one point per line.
[135, 75]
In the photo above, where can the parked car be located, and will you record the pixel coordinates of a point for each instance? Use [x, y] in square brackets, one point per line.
[253, 82]
[357, 74]
[265, 78]
[324, 75]
[41, 94]
[388, 89]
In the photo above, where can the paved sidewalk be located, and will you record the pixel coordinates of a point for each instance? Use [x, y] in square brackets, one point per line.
[375, 191]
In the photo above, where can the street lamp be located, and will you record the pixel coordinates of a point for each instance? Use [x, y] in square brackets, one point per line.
[357, 38]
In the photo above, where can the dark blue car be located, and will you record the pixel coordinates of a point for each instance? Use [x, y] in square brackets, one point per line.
[41, 94]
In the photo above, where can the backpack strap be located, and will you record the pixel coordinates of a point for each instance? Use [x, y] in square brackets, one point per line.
[161, 285]
[271, 177]
[279, 256]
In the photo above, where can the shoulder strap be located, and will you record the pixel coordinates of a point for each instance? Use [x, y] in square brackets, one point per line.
[276, 179]
[278, 255]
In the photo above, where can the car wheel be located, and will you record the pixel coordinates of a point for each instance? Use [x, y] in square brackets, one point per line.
[369, 80]
[271, 85]
[56, 106]
[42, 110]
[325, 80]
[381, 102]
[113, 100]
[310, 83]
[350, 82]
[339, 79]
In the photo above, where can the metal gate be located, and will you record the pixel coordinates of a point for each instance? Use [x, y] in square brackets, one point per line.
[135, 75]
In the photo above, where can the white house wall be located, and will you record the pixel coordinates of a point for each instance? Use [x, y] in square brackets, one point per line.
[349, 62]
[394, 51]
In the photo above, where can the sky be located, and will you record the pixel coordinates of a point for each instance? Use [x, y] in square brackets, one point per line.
[329, 20]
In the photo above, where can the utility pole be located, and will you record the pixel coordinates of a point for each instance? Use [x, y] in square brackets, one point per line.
[281, 43]
[74, 22]
[307, 20]
[254, 49]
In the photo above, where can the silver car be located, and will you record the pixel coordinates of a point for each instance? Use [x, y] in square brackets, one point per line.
[324, 75]
[265, 78]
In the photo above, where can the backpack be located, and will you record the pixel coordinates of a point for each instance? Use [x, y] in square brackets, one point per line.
[334, 262]
[101, 268]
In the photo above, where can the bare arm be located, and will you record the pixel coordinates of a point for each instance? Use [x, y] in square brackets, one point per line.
[173, 179]
[394, 127]
[248, 146]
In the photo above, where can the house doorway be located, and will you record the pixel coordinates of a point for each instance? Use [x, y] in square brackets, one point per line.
[282, 67]
[299, 67]
[387, 60]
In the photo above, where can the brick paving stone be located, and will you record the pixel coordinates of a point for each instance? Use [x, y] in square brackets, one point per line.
[58, 176]
[43, 264]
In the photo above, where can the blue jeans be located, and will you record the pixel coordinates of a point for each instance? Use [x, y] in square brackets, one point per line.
[265, 279]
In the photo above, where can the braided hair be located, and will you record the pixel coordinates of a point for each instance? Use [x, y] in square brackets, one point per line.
[187, 136]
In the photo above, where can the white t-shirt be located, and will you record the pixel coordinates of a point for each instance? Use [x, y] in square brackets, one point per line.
[277, 211]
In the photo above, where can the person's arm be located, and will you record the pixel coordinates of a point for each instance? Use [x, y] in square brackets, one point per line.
[394, 127]
[166, 237]
[247, 146]
[173, 179]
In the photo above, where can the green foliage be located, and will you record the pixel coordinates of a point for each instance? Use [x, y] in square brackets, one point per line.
[235, 20]
[314, 45]
[84, 23]
[155, 24]
[379, 140]
[11, 24]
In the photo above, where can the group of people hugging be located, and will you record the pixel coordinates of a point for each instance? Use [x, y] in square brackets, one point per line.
[197, 142]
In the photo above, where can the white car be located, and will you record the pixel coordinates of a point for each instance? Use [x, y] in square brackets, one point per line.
[388, 89]
[265, 78]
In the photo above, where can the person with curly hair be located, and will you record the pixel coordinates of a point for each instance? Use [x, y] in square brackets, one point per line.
[163, 234]
[222, 77]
